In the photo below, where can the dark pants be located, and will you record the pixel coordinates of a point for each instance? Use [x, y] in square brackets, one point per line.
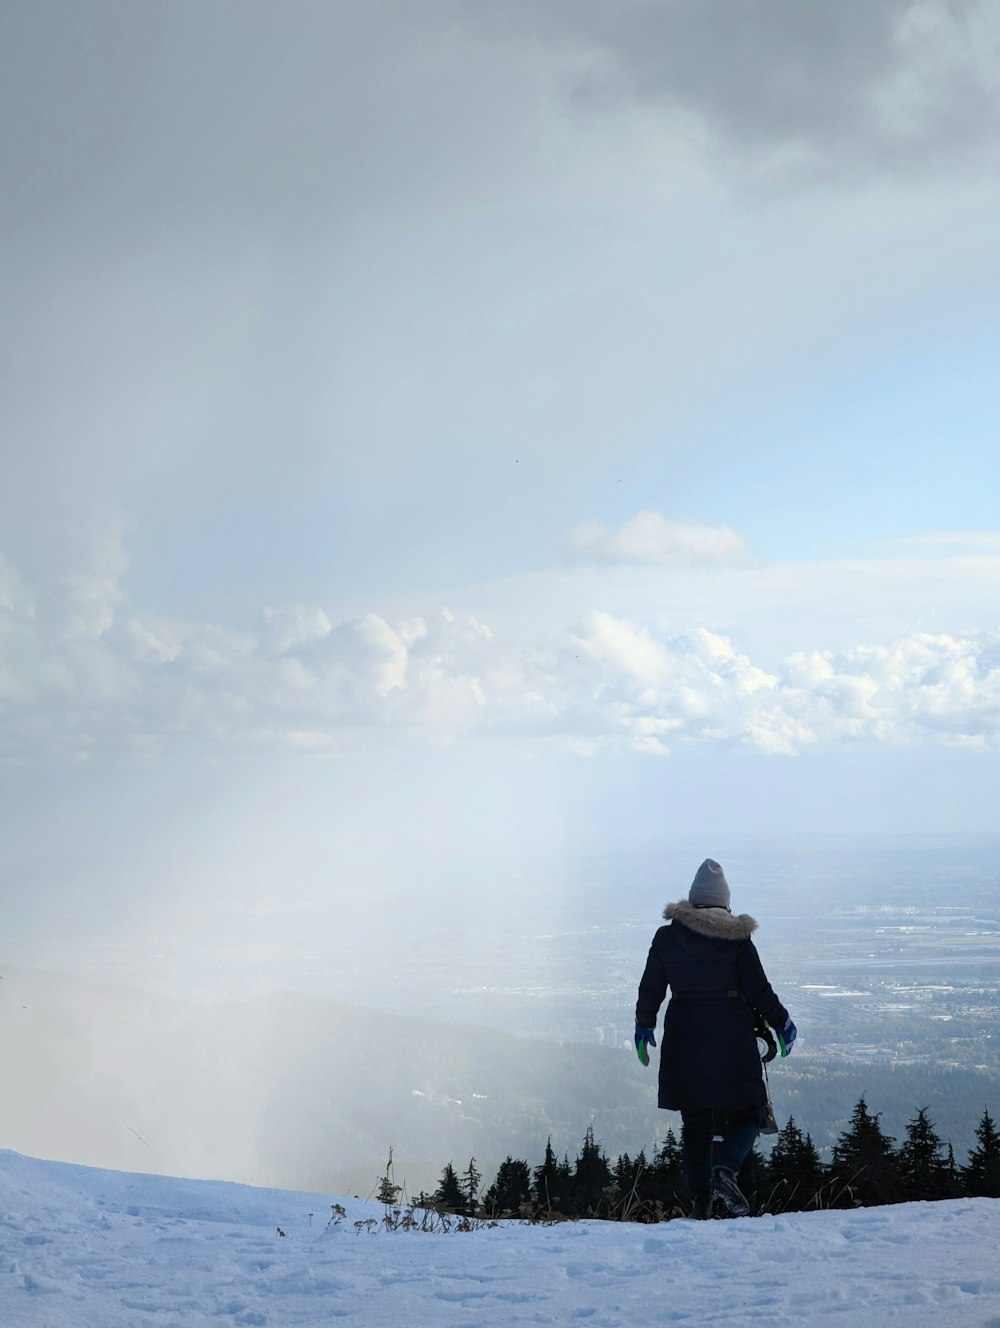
[739, 1133]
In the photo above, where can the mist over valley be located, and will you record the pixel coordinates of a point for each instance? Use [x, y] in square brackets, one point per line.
[489, 1032]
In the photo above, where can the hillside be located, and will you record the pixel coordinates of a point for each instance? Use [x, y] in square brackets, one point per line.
[287, 1090]
[96, 1249]
[310, 1094]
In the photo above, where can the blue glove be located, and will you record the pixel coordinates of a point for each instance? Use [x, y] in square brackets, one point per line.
[786, 1037]
[644, 1037]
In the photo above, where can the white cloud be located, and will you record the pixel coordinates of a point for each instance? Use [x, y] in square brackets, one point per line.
[624, 649]
[20, 659]
[294, 626]
[985, 541]
[94, 592]
[367, 660]
[699, 688]
[14, 596]
[649, 537]
[610, 678]
[695, 687]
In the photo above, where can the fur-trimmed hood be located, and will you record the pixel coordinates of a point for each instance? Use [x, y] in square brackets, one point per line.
[716, 923]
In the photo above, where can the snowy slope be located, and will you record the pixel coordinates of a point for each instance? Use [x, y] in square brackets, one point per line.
[82, 1248]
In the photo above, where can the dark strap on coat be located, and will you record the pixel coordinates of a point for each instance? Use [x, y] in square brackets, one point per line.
[765, 1035]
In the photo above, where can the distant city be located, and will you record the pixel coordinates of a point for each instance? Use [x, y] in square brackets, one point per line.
[886, 951]
[875, 984]
[904, 978]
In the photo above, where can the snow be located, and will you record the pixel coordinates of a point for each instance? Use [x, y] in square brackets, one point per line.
[84, 1248]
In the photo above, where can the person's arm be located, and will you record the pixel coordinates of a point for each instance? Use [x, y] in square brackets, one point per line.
[755, 988]
[652, 988]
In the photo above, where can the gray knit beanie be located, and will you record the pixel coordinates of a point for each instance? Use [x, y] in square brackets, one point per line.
[709, 889]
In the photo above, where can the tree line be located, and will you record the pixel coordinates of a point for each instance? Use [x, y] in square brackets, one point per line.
[866, 1169]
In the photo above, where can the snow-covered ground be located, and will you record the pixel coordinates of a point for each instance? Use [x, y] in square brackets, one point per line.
[81, 1248]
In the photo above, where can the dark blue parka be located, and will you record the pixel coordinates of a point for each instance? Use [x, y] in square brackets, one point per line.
[708, 1051]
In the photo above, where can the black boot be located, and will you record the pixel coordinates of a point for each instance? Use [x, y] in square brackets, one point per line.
[725, 1189]
[701, 1209]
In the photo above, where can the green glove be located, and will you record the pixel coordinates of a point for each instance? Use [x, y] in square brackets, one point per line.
[786, 1036]
[644, 1038]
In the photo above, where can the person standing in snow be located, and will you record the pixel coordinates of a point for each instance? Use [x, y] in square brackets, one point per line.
[709, 1063]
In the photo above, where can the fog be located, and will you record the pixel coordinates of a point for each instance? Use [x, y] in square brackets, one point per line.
[447, 1018]
[280, 1091]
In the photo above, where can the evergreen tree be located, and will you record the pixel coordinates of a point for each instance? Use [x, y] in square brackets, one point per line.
[591, 1175]
[982, 1174]
[449, 1192]
[552, 1182]
[670, 1158]
[812, 1172]
[795, 1172]
[387, 1193]
[545, 1178]
[922, 1169]
[863, 1168]
[667, 1186]
[625, 1173]
[511, 1189]
[471, 1181]
[953, 1181]
[631, 1182]
[783, 1165]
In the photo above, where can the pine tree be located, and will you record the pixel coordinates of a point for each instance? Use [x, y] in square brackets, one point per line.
[547, 1177]
[953, 1181]
[553, 1182]
[813, 1172]
[470, 1183]
[625, 1173]
[449, 1191]
[982, 1174]
[784, 1161]
[795, 1172]
[591, 1175]
[671, 1155]
[922, 1169]
[667, 1185]
[631, 1188]
[863, 1168]
[511, 1189]
[388, 1191]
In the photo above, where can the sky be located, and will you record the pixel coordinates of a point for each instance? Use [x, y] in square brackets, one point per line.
[456, 434]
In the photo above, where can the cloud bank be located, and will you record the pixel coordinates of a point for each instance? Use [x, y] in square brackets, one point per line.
[100, 677]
